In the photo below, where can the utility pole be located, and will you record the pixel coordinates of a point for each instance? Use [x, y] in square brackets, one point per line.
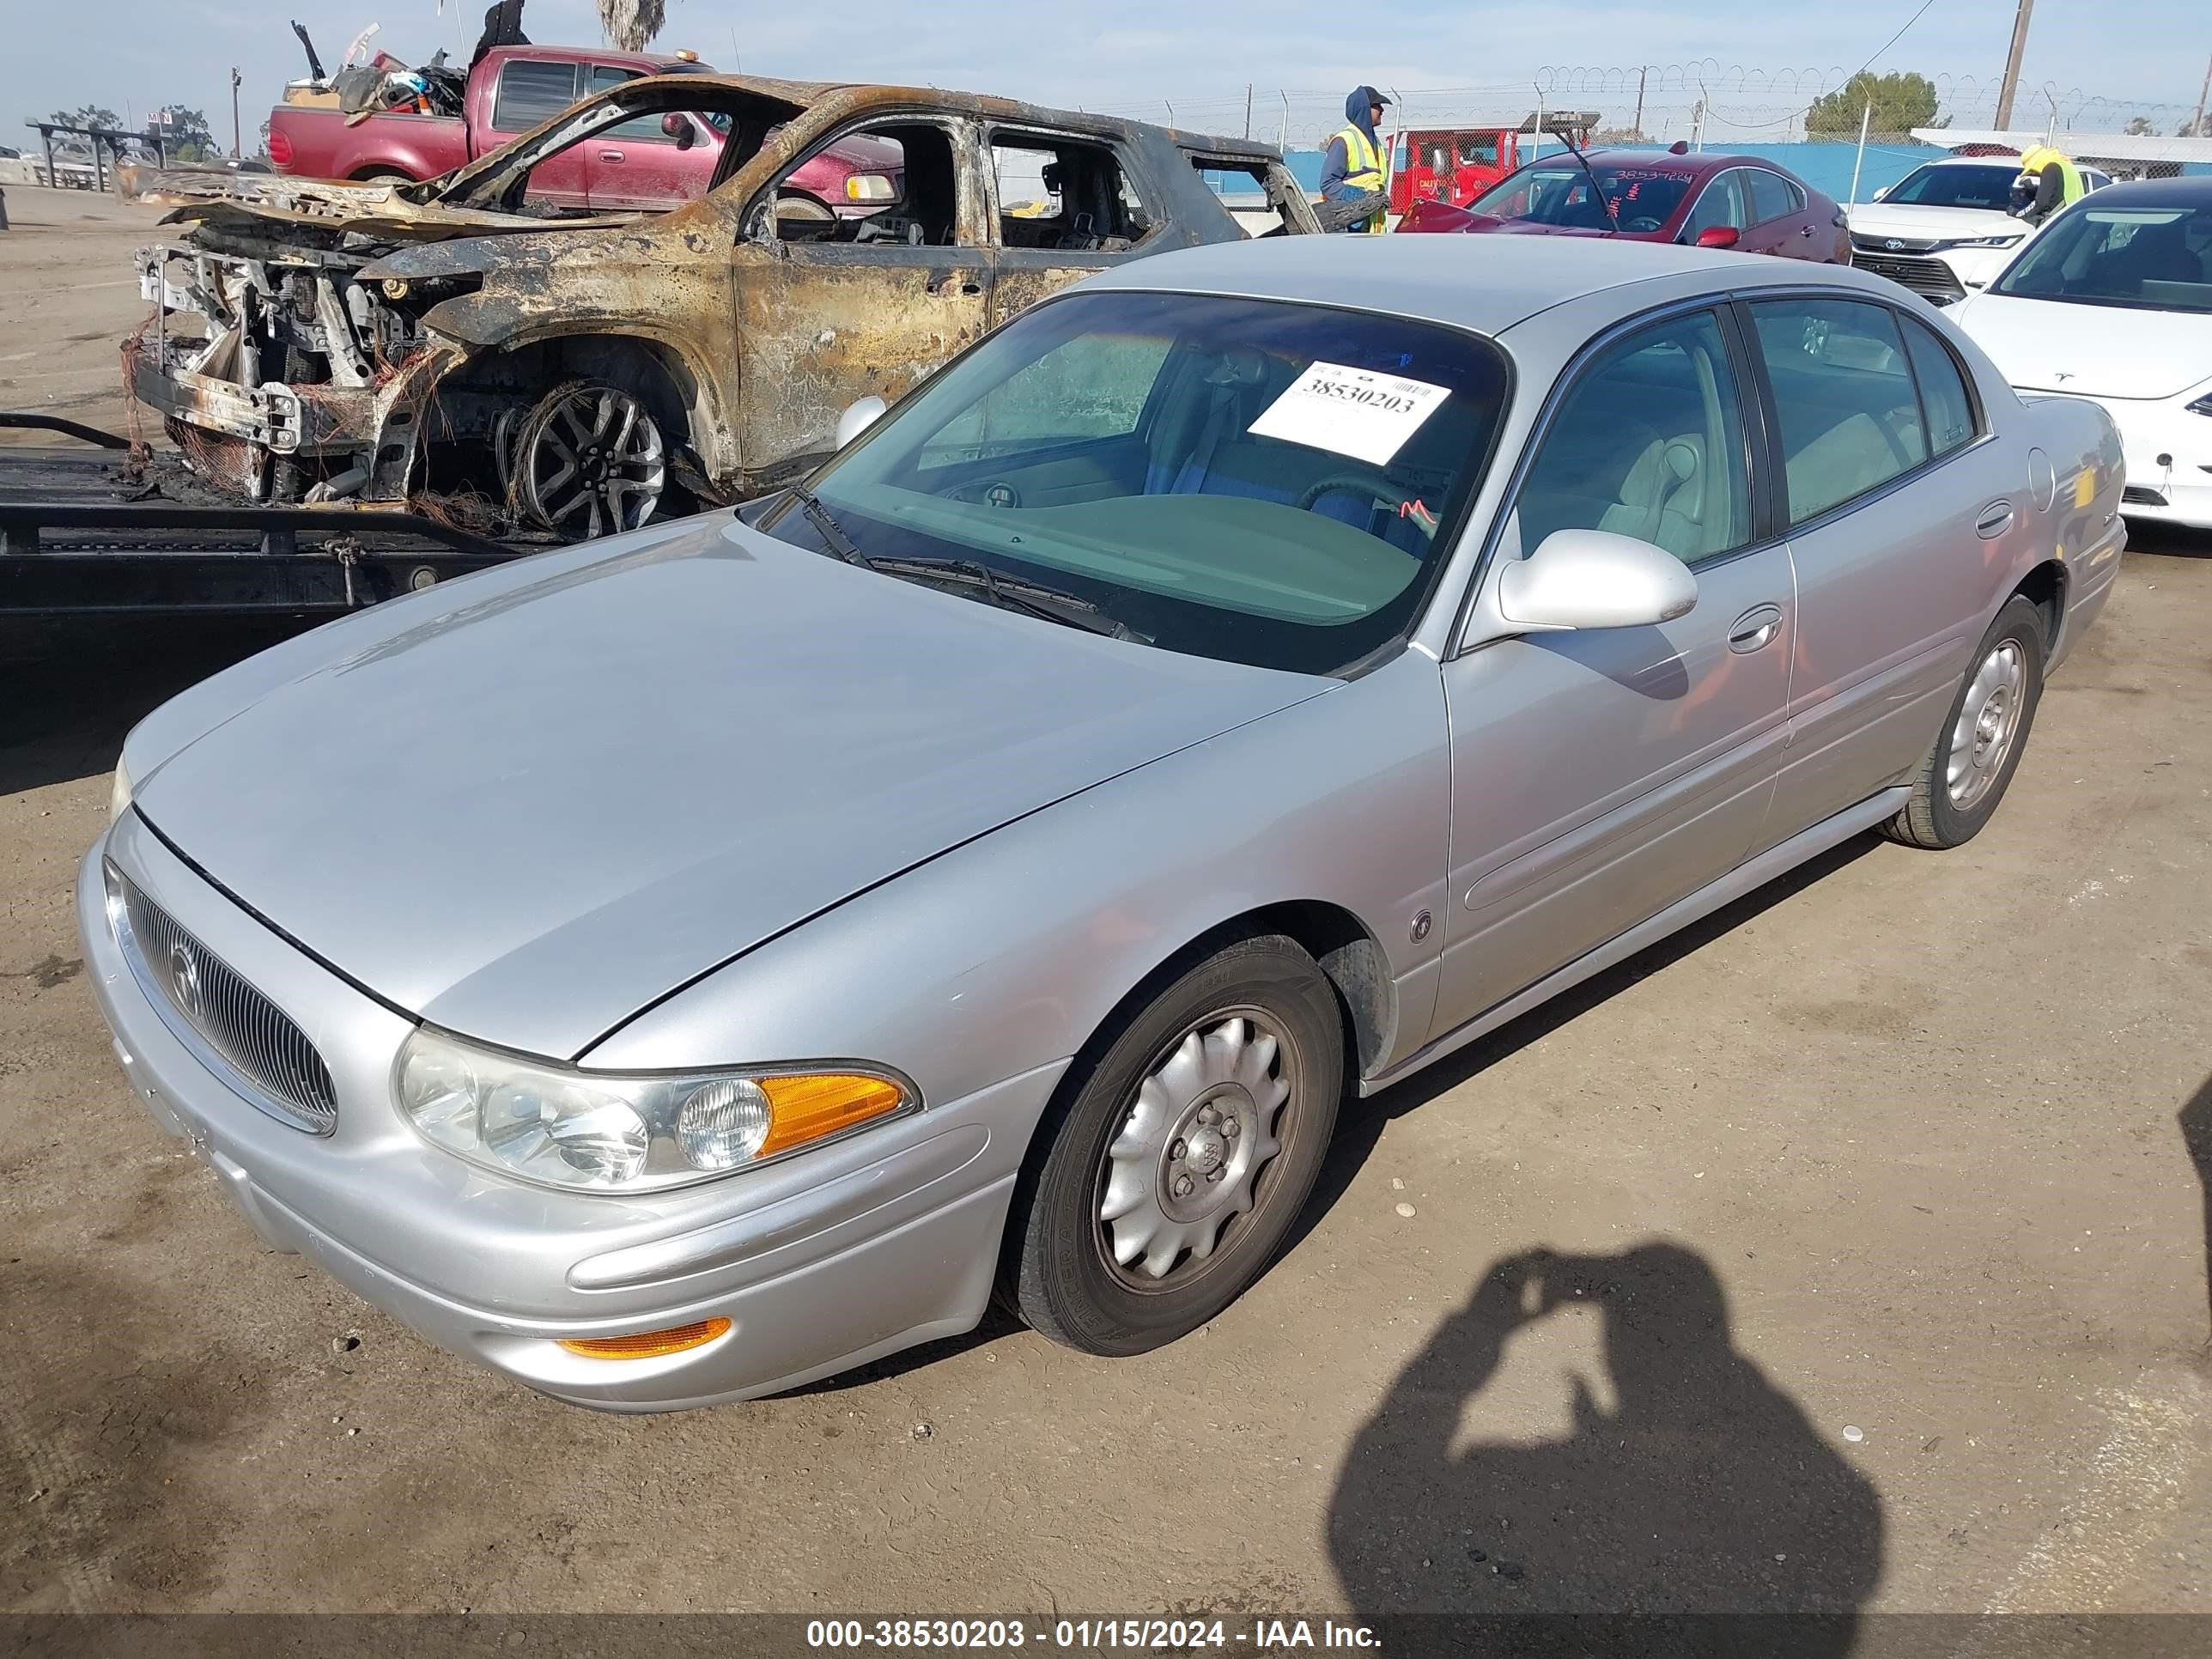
[2203, 92]
[1248, 109]
[1638, 127]
[235, 151]
[2012, 64]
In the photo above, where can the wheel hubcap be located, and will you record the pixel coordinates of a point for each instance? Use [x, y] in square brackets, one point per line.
[1989, 721]
[1189, 1155]
[590, 462]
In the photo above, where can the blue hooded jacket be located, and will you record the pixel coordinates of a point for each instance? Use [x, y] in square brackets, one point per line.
[1335, 164]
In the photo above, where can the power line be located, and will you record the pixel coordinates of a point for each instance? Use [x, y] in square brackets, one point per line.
[1893, 38]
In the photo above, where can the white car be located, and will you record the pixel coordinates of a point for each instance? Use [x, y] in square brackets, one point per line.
[2112, 301]
[1943, 229]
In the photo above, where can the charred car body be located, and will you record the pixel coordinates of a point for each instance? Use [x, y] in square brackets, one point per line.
[374, 344]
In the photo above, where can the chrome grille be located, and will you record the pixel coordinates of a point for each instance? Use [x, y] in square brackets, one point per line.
[247, 1032]
[1930, 278]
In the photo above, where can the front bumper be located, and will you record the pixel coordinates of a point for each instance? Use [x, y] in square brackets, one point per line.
[1940, 276]
[821, 1262]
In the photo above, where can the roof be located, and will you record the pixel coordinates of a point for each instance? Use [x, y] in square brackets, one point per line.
[802, 93]
[1483, 283]
[1688, 164]
[2081, 146]
[2191, 193]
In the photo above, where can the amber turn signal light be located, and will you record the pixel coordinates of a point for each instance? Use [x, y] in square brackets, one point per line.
[649, 1345]
[806, 1109]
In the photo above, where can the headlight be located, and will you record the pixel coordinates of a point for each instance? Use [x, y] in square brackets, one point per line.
[118, 796]
[602, 1131]
[1985, 242]
[868, 187]
[2202, 406]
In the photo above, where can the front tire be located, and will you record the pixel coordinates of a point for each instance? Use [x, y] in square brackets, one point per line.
[1968, 772]
[1185, 1154]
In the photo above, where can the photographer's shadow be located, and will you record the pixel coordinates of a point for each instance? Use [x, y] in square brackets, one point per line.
[1698, 1488]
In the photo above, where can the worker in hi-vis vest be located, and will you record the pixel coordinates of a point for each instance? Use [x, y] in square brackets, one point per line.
[1357, 162]
[2048, 181]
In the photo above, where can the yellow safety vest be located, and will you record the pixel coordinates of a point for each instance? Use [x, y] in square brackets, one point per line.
[1366, 167]
[2072, 188]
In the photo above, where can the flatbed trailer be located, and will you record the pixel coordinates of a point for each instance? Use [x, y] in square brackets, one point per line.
[101, 527]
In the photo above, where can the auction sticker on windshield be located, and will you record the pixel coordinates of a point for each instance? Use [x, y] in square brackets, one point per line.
[1351, 411]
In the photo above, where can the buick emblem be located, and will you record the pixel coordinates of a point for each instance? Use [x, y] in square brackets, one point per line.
[1891, 245]
[184, 978]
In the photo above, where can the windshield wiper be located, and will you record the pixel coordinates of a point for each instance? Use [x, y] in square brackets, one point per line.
[1603, 200]
[1010, 593]
[833, 535]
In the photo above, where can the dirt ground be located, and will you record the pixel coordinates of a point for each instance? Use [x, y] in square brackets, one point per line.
[69, 293]
[1880, 1203]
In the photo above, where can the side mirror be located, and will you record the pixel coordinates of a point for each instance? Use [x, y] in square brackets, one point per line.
[858, 418]
[1582, 579]
[1718, 236]
[1883, 192]
[676, 128]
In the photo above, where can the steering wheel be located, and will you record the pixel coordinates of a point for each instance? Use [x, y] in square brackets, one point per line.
[1642, 223]
[1339, 483]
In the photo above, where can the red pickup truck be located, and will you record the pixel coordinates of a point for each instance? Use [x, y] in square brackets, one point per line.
[650, 165]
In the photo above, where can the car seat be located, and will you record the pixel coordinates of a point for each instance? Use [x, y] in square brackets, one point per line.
[1661, 499]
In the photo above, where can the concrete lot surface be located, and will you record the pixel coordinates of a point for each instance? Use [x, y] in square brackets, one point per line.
[1878, 1271]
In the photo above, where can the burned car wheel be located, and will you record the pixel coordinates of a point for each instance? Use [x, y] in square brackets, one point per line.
[589, 460]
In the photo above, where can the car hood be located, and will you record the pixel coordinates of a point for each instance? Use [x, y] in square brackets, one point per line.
[1930, 224]
[2090, 350]
[525, 816]
[380, 213]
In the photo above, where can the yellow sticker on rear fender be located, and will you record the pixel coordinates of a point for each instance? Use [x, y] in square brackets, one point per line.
[2085, 487]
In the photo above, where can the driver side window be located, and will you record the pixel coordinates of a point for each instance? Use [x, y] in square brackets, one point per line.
[1649, 442]
[897, 182]
[1720, 204]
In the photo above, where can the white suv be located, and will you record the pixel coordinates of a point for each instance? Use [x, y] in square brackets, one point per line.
[1943, 228]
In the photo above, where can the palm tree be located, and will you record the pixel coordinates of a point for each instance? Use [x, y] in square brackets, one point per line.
[631, 23]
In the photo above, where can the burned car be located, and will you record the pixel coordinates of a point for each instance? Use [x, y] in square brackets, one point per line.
[575, 371]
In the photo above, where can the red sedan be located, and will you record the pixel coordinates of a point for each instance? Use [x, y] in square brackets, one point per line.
[1669, 195]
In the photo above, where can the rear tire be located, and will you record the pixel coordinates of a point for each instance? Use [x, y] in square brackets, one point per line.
[1185, 1154]
[1975, 754]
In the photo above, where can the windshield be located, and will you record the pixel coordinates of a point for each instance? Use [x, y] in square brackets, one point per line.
[2145, 258]
[1263, 482]
[1949, 186]
[1559, 193]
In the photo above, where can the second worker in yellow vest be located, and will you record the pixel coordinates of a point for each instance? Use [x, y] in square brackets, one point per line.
[2048, 181]
[1358, 160]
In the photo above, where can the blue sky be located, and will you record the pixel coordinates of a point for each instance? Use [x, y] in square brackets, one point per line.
[1133, 55]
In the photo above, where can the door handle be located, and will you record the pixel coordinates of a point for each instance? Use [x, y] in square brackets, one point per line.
[610, 156]
[1996, 520]
[1804, 230]
[954, 286]
[1756, 628]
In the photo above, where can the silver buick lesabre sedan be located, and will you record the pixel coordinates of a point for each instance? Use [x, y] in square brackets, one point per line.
[675, 968]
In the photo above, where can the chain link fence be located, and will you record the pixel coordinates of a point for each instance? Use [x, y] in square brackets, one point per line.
[1711, 105]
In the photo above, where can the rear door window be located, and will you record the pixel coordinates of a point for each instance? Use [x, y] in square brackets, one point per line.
[1942, 389]
[1844, 395]
[1772, 196]
[531, 93]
